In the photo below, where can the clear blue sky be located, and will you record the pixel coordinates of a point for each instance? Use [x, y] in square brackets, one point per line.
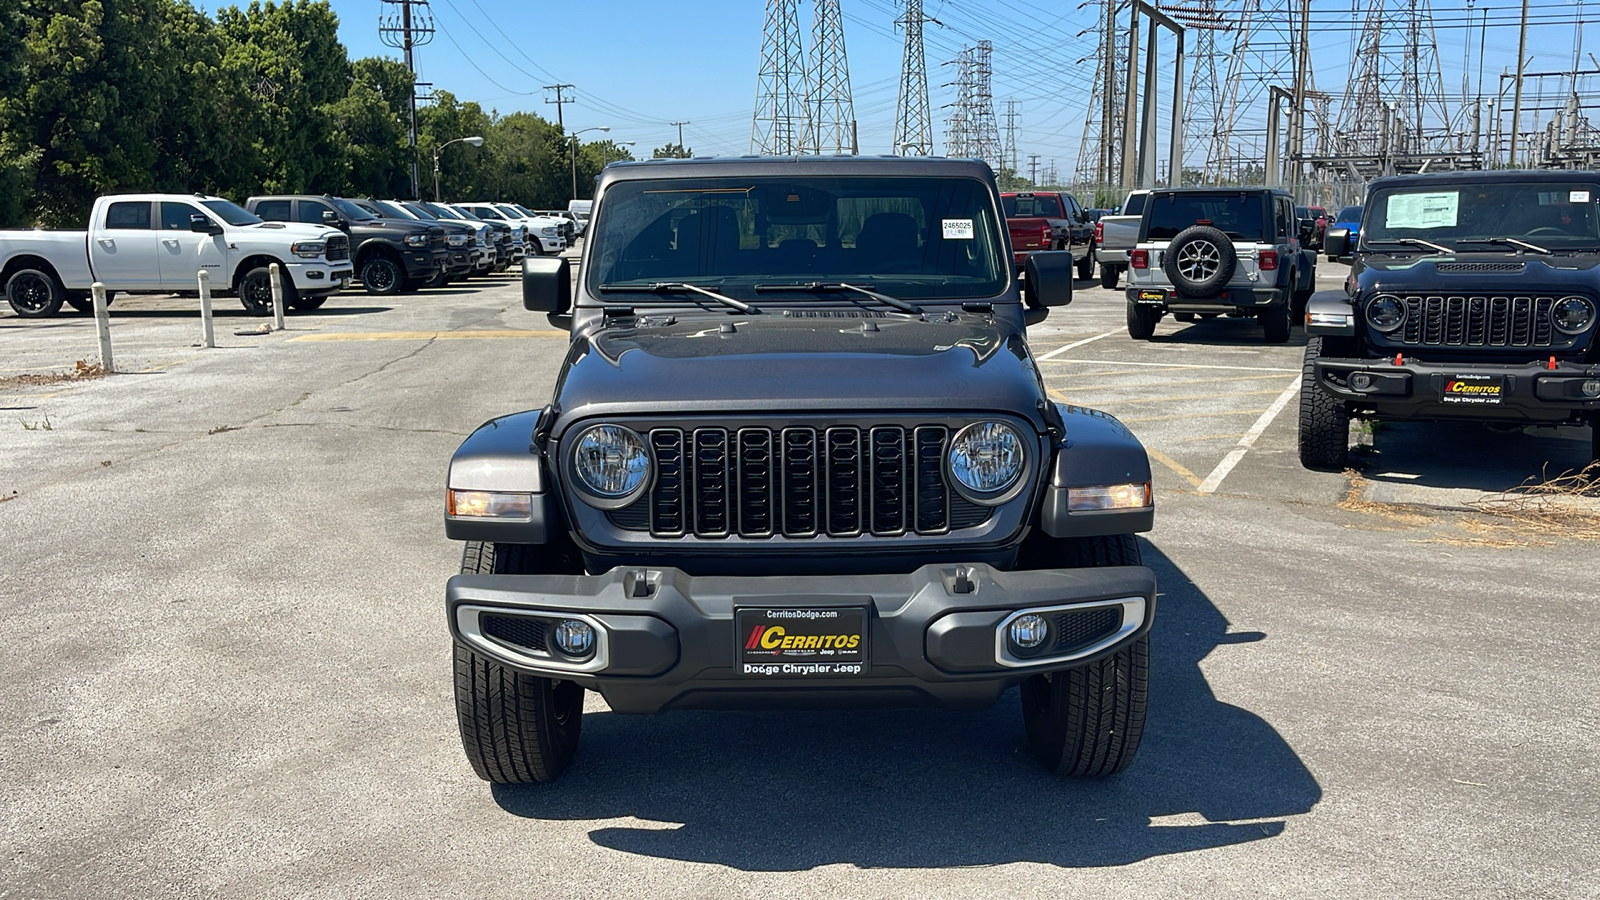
[638, 65]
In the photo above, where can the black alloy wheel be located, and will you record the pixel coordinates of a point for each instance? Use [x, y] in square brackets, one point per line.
[34, 293]
[381, 276]
[255, 292]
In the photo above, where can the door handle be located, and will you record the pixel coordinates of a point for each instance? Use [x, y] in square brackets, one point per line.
[170, 242]
[108, 242]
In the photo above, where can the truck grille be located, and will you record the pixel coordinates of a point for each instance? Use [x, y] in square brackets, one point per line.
[338, 248]
[800, 482]
[436, 237]
[1478, 321]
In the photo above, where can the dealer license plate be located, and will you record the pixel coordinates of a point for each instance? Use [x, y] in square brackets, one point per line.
[1152, 295]
[801, 642]
[1474, 389]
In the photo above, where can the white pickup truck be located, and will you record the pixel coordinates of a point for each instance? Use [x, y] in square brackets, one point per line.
[157, 243]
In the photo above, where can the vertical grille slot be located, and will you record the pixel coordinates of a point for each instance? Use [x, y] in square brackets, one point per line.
[755, 482]
[931, 495]
[799, 482]
[710, 501]
[666, 497]
[888, 480]
[844, 481]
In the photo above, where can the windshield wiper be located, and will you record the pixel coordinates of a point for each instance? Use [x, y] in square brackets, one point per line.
[814, 286]
[679, 286]
[1506, 240]
[1414, 242]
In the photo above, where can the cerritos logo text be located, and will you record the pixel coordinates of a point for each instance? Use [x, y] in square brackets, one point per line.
[774, 637]
[1462, 387]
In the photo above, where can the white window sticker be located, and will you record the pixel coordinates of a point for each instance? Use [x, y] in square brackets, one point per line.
[1423, 210]
[1577, 196]
[957, 229]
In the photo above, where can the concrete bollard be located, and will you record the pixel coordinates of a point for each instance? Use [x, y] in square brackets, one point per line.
[276, 277]
[102, 325]
[207, 335]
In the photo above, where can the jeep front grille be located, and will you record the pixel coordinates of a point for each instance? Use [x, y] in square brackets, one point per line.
[1477, 321]
[800, 482]
[338, 248]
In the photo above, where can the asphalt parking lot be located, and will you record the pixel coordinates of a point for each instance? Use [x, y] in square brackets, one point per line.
[228, 671]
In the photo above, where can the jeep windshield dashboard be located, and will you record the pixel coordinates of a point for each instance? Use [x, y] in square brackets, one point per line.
[920, 238]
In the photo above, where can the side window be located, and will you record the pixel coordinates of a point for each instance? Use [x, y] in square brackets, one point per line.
[311, 212]
[1286, 221]
[175, 216]
[129, 215]
[273, 210]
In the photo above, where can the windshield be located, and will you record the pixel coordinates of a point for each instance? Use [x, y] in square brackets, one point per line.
[389, 209]
[1350, 214]
[1235, 215]
[482, 212]
[919, 238]
[1022, 206]
[350, 210]
[232, 213]
[1557, 215]
[512, 212]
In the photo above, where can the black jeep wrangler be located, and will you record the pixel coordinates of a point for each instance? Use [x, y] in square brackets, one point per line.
[799, 455]
[1472, 296]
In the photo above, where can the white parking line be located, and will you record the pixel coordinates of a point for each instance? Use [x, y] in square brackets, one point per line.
[1097, 337]
[1214, 480]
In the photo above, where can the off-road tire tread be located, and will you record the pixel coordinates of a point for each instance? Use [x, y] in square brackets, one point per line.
[1324, 432]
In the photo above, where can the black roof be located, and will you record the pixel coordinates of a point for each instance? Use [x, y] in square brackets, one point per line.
[734, 166]
[1525, 176]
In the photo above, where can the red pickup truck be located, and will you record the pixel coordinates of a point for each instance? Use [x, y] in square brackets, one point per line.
[1049, 220]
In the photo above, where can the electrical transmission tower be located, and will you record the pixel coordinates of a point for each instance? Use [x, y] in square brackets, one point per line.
[1394, 105]
[1099, 149]
[913, 123]
[1265, 54]
[960, 127]
[407, 25]
[1011, 136]
[985, 130]
[1204, 121]
[780, 92]
[830, 113]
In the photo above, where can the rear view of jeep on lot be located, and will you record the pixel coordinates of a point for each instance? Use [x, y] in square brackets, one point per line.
[798, 455]
[1214, 251]
[1472, 296]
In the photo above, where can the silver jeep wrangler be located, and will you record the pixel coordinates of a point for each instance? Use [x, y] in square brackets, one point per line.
[1209, 251]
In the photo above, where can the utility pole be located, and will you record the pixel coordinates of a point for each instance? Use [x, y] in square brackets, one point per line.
[407, 28]
[1297, 124]
[680, 131]
[1130, 126]
[561, 123]
[1033, 169]
[1516, 104]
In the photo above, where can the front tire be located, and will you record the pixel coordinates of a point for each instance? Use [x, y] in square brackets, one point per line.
[1086, 267]
[255, 291]
[382, 276]
[516, 728]
[1087, 721]
[304, 303]
[35, 293]
[1324, 420]
[1142, 321]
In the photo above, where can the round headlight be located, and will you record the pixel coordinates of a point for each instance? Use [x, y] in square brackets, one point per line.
[1386, 313]
[612, 465]
[1572, 315]
[986, 460]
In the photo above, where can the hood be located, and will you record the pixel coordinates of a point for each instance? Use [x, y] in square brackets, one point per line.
[806, 360]
[296, 231]
[1478, 273]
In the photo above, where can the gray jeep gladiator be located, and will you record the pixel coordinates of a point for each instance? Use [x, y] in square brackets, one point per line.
[1471, 297]
[799, 455]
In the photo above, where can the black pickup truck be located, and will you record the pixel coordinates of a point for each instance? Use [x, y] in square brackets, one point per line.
[799, 455]
[1472, 296]
[391, 256]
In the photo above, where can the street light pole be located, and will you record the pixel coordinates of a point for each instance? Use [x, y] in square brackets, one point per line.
[474, 141]
[573, 137]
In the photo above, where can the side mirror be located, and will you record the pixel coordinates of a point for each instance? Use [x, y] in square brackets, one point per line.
[1047, 279]
[333, 220]
[203, 225]
[546, 284]
[1336, 242]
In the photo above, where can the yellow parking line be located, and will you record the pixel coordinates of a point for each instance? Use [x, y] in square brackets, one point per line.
[1204, 415]
[426, 335]
[1174, 465]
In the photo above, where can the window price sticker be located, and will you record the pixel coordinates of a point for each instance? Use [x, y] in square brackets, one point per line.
[957, 229]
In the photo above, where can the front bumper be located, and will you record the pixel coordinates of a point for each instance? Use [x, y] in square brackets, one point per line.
[1532, 392]
[934, 636]
[320, 277]
[424, 264]
[1230, 299]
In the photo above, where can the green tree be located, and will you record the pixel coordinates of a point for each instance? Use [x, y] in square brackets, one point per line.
[672, 151]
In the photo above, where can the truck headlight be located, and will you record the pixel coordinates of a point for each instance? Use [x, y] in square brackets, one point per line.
[416, 240]
[986, 460]
[1571, 315]
[458, 240]
[308, 249]
[548, 231]
[1386, 313]
[611, 464]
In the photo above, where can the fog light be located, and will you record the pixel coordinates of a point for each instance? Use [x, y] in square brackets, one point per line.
[1028, 631]
[1591, 388]
[575, 638]
[1361, 381]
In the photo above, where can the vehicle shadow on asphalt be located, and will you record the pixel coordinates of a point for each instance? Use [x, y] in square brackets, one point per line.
[1221, 332]
[1472, 455]
[920, 789]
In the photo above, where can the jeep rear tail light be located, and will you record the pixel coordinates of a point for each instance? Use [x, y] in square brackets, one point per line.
[1268, 260]
[1139, 259]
